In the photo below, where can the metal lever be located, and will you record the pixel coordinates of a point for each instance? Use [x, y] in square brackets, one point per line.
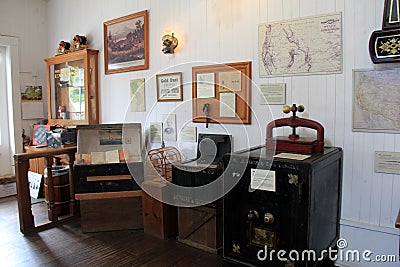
[206, 110]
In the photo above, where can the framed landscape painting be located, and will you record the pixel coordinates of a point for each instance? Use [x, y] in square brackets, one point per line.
[126, 43]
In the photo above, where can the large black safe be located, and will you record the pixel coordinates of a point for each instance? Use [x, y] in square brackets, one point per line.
[298, 208]
[207, 166]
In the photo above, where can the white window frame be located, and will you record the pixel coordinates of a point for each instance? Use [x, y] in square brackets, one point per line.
[13, 94]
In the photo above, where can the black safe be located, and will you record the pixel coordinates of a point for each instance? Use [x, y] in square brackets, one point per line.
[207, 166]
[296, 208]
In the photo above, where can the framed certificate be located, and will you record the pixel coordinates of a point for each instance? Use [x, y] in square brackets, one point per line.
[169, 87]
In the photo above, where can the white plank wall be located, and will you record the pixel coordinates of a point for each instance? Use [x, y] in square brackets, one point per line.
[223, 31]
[27, 20]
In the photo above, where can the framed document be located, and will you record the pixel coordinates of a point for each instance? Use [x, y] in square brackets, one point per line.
[205, 85]
[169, 87]
[221, 93]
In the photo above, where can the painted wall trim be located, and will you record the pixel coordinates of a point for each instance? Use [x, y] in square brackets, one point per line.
[371, 227]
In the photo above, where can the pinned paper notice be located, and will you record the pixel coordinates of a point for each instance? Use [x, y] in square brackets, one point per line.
[263, 180]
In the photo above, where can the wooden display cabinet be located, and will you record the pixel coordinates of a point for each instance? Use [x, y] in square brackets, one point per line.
[72, 88]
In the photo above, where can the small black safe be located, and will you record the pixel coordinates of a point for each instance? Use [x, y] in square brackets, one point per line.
[208, 164]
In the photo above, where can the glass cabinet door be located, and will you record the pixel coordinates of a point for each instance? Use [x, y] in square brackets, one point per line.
[72, 88]
[68, 91]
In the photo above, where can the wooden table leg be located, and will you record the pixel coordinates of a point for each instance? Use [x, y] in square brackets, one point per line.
[26, 219]
[72, 205]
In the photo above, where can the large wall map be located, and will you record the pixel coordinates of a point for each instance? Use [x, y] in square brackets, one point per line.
[310, 45]
[376, 100]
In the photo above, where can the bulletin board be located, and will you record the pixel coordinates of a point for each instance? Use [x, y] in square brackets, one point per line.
[226, 88]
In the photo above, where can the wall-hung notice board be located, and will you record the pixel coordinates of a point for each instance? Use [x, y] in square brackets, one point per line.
[222, 93]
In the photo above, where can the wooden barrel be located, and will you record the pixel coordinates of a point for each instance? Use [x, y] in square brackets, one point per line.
[61, 189]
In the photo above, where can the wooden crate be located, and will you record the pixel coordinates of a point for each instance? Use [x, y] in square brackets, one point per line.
[159, 219]
[108, 211]
[201, 227]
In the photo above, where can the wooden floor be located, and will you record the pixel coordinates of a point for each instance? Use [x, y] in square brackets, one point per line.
[66, 245]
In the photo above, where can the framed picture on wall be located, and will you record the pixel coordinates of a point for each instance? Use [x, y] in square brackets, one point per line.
[169, 87]
[126, 43]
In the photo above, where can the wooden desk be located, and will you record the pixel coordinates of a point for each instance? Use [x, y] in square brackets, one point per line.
[21, 161]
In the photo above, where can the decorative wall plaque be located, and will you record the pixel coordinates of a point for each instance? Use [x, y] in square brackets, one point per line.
[384, 45]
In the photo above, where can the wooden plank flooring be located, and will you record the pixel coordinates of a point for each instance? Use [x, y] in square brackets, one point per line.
[66, 245]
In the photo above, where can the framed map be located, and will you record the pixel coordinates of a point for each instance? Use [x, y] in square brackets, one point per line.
[376, 98]
[309, 45]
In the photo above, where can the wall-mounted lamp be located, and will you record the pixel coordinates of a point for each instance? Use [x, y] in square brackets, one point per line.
[170, 42]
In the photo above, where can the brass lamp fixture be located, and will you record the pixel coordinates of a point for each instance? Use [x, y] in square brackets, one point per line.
[170, 42]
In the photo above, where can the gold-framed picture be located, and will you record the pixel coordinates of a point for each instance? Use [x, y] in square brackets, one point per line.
[126, 43]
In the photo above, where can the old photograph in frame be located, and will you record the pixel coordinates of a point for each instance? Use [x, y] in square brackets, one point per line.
[126, 43]
[169, 87]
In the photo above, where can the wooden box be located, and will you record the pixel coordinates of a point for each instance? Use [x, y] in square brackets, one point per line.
[108, 211]
[201, 227]
[159, 219]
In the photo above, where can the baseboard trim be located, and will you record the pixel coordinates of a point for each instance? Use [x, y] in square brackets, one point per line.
[370, 227]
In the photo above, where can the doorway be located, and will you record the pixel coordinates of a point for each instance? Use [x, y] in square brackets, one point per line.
[10, 104]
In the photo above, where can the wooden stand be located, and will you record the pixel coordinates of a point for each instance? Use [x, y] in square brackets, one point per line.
[201, 227]
[109, 211]
[21, 161]
[159, 219]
